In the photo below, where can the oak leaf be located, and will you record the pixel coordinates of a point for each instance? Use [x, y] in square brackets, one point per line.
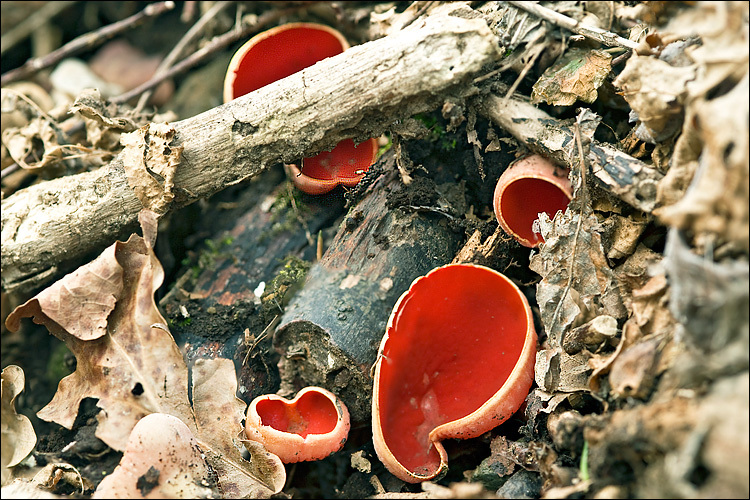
[126, 358]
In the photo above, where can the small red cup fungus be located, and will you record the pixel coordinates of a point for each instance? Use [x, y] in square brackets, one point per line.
[282, 51]
[531, 185]
[309, 427]
[457, 359]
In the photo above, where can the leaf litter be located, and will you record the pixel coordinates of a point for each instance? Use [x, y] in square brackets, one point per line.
[127, 359]
[667, 383]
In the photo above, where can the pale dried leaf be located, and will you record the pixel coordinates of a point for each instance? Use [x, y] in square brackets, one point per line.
[576, 75]
[90, 104]
[656, 91]
[715, 204]
[23, 144]
[136, 368]
[219, 414]
[633, 372]
[18, 437]
[82, 301]
[150, 161]
[593, 290]
[162, 460]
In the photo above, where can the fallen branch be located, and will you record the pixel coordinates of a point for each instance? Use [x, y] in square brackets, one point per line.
[627, 178]
[592, 32]
[48, 228]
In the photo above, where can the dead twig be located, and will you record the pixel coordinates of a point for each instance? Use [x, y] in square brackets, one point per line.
[211, 48]
[31, 24]
[602, 36]
[84, 42]
[179, 48]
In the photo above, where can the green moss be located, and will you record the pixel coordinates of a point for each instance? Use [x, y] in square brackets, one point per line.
[57, 368]
[284, 215]
[284, 285]
[436, 132]
[213, 250]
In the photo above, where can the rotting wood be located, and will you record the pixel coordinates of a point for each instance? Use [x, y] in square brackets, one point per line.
[48, 228]
[330, 332]
[627, 178]
[222, 316]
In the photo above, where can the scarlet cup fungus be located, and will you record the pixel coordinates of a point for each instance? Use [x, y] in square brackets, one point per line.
[528, 187]
[457, 359]
[282, 51]
[309, 427]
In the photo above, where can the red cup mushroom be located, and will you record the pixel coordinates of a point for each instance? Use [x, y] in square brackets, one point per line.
[282, 51]
[309, 427]
[457, 359]
[528, 187]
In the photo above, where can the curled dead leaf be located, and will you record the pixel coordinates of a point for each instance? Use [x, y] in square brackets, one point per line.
[18, 437]
[150, 160]
[132, 367]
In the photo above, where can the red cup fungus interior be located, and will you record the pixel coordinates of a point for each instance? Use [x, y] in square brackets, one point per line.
[341, 162]
[524, 199]
[282, 54]
[313, 413]
[455, 339]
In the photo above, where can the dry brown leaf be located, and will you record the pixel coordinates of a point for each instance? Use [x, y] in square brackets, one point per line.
[105, 122]
[35, 145]
[593, 289]
[705, 191]
[656, 91]
[162, 460]
[633, 372]
[82, 301]
[557, 371]
[18, 437]
[150, 162]
[90, 104]
[715, 205]
[126, 357]
[135, 368]
[576, 75]
[219, 414]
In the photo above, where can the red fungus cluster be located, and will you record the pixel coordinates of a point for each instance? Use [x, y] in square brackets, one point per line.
[282, 51]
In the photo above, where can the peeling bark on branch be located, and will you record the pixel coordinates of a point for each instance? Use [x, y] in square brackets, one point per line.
[627, 178]
[48, 228]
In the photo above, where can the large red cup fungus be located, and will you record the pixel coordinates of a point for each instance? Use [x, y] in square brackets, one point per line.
[309, 427]
[457, 359]
[282, 51]
[528, 187]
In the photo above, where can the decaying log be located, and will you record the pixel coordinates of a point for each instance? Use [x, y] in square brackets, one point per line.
[627, 178]
[215, 313]
[48, 228]
[330, 332]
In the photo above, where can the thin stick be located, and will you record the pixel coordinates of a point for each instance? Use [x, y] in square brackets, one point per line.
[84, 42]
[35, 21]
[212, 47]
[606, 37]
[178, 49]
[521, 76]
[419, 12]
